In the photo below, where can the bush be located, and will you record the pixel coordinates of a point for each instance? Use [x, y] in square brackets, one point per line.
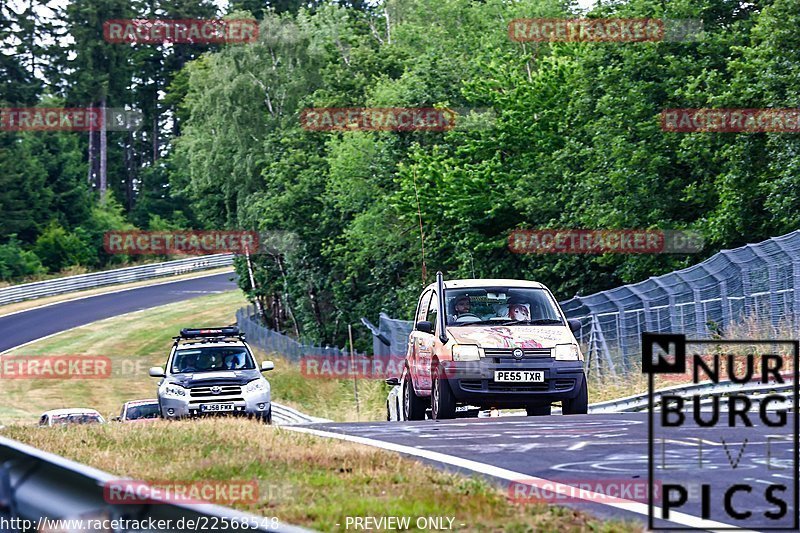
[57, 248]
[17, 263]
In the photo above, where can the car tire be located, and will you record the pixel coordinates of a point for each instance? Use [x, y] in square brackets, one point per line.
[267, 418]
[579, 405]
[443, 403]
[414, 407]
[538, 410]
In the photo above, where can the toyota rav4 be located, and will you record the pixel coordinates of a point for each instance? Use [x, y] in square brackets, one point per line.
[212, 371]
[491, 343]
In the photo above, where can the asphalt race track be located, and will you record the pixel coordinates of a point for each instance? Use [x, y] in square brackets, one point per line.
[26, 326]
[610, 450]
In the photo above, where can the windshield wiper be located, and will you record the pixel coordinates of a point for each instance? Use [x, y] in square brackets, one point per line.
[537, 322]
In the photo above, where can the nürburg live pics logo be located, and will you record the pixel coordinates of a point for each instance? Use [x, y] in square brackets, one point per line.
[723, 441]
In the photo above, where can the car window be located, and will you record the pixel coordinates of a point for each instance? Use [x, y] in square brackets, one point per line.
[422, 308]
[488, 305]
[211, 359]
[138, 412]
[433, 309]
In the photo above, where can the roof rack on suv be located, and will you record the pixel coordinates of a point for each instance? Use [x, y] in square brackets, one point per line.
[205, 334]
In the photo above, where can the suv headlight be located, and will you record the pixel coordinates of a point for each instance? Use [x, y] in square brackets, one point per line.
[176, 391]
[255, 385]
[466, 352]
[567, 352]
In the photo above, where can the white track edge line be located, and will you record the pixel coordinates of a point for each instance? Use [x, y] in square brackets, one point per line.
[517, 477]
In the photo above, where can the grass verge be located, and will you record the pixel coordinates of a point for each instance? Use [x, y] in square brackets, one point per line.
[302, 479]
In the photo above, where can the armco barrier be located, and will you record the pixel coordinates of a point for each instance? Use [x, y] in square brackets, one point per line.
[52, 287]
[35, 485]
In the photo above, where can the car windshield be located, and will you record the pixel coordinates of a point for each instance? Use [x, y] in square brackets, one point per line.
[500, 305]
[137, 412]
[78, 418]
[212, 359]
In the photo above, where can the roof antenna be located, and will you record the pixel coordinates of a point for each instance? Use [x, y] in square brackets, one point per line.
[421, 232]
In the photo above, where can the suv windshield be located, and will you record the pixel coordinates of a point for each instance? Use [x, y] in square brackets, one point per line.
[137, 412]
[211, 359]
[500, 305]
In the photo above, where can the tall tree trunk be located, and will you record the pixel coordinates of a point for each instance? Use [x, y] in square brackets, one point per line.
[103, 151]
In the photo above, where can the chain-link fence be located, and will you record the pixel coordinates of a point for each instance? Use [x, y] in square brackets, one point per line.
[755, 283]
[270, 341]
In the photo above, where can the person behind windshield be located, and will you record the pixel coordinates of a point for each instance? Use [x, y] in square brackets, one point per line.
[189, 363]
[234, 362]
[463, 306]
[519, 312]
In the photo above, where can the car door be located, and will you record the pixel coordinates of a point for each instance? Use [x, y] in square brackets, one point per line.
[414, 339]
[425, 347]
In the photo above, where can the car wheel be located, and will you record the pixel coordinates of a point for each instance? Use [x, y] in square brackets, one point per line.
[267, 418]
[413, 406]
[579, 405]
[443, 403]
[538, 410]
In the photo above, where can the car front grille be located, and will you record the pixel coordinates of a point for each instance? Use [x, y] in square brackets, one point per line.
[227, 393]
[509, 352]
[492, 386]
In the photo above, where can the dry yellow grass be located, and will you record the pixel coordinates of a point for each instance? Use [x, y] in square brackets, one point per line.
[303, 479]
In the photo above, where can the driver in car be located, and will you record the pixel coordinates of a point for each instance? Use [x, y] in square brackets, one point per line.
[189, 363]
[462, 306]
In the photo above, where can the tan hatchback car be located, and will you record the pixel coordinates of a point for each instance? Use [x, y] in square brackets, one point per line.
[491, 343]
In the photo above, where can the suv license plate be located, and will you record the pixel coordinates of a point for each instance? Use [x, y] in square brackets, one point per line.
[519, 376]
[216, 407]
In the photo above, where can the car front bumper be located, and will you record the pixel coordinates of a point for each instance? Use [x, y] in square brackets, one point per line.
[255, 404]
[473, 382]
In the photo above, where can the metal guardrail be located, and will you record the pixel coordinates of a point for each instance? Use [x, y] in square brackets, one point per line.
[286, 416]
[35, 485]
[52, 287]
[640, 402]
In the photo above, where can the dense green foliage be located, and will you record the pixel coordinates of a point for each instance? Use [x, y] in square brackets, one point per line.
[575, 142]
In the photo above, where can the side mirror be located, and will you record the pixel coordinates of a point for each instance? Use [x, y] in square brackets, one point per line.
[267, 366]
[392, 381]
[156, 372]
[116, 419]
[424, 326]
[574, 324]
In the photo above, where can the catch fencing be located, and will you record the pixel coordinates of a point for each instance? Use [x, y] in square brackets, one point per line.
[751, 291]
[273, 342]
[752, 288]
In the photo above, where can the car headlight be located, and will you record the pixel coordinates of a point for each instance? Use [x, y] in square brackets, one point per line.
[567, 352]
[176, 391]
[256, 385]
[466, 352]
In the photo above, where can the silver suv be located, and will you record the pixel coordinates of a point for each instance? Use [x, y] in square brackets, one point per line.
[212, 371]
